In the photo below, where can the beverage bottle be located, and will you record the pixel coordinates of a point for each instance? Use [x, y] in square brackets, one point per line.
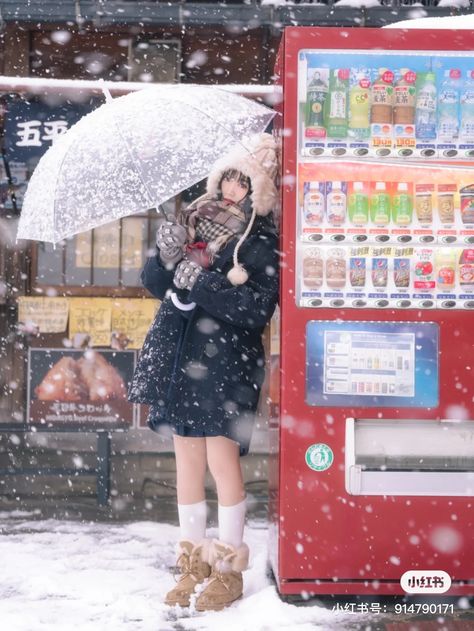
[425, 111]
[424, 203]
[445, 201]
[401, 272]
[445, 264]
[424, 272]
[336, 268]
[336, 105]
[313, 268]
[380, 204]
[359, 108]
[381, 96]
[448, 106]
[404, 98]
[316, 94]
[357, 271]
[358, 205]
[402, 205]
[467, 204]
[466, 133]
[466, 270]
[336, 203]
[379, 272]
[313, 203]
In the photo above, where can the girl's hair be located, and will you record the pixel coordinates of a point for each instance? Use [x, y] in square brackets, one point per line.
[234, 174]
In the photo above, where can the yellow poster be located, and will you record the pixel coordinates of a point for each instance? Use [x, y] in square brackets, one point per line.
[91, 317]
[131, 319]
[48, 314]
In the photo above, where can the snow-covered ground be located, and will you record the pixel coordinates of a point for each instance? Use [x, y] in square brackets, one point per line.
[60, 575]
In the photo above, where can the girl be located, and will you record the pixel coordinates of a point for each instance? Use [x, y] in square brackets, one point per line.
[202, 364]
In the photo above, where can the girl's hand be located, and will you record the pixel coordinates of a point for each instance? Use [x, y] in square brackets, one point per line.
[186, 274]
[170, 237]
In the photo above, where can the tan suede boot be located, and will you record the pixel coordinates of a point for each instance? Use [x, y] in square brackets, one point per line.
[224, 586]
[193, 563]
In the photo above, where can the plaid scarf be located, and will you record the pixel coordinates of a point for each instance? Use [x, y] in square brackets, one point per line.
[215, 222]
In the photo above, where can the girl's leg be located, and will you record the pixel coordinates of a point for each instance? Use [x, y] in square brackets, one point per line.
[223, 459]
[190, 472]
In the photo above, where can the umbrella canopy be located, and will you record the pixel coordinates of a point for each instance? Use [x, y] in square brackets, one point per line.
[131, 154]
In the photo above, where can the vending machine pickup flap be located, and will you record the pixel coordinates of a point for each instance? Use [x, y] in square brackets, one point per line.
[409, 457]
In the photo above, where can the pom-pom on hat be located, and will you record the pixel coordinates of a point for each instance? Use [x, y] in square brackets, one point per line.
[258, 160]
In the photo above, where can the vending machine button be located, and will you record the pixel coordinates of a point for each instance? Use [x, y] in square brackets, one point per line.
[339, 151]
[470, 153]
[383, 152]
[426, 304]
[382, 303]
[316, 302]
[362, 151]
[428, 153]
[449, 239]
[315, 237]
[337, 303]
[448, 304]
[470, 240]
[404, 238]
[404, 304]
[450, 153]
[429, 238]
[360, 237]
[338, 237]
[317, 151]
[359, 303]
[469, 304]
[405, 152]
[382, 237]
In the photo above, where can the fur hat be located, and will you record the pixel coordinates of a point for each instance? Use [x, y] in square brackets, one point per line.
[258, 160]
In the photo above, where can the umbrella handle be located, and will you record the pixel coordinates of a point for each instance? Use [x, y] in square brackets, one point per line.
[161, 211]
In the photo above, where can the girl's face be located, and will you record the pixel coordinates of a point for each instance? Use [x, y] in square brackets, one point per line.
[234, 188]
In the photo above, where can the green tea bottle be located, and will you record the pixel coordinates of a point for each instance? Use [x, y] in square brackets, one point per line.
[316, 94]
[358, 205]
[380, 204]
[402, 205]
[336, 105]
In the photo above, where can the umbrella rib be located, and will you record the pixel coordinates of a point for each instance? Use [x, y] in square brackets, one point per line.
[55, 195]
[272, 114]
[134, 161]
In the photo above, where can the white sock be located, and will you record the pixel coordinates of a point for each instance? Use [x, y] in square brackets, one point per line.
[231, 523]
[192, 521]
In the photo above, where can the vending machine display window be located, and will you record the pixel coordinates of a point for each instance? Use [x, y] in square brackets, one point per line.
[372, 364]
[405, 104]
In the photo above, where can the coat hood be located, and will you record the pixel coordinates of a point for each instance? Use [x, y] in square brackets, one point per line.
[258, 160]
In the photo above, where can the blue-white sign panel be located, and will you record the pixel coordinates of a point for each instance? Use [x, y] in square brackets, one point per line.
[372, 364]
[32, 126]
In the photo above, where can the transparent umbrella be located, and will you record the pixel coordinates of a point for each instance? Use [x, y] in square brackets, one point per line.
[131, 154]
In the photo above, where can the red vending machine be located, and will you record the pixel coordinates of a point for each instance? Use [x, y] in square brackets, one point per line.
[372, 442]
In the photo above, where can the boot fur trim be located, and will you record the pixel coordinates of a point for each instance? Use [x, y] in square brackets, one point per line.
[227, 558]
[186, 546]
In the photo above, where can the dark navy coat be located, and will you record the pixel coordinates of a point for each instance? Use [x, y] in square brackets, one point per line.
[202, 370]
